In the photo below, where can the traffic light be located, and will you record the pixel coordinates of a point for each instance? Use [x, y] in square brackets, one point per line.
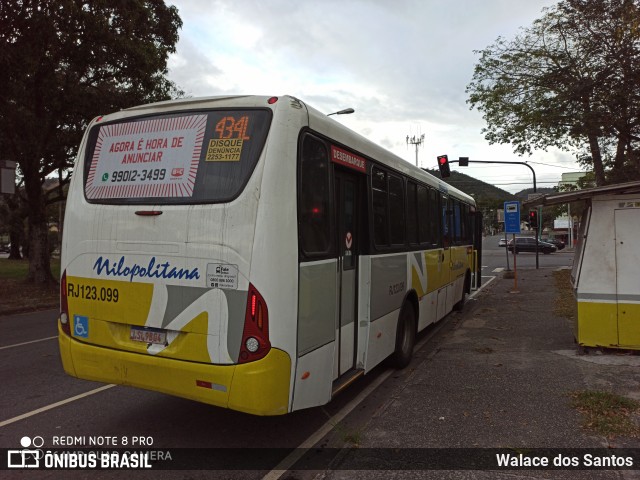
[533, 218]
[443, 165]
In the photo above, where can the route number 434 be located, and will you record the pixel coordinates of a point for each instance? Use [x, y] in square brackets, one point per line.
[229, 127]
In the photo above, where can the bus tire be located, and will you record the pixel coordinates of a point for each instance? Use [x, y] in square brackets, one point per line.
[405, 337]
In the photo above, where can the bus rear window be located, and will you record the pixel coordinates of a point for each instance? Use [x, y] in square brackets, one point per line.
[178, 158]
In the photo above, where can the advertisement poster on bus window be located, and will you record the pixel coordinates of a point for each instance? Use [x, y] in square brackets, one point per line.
[148, 158]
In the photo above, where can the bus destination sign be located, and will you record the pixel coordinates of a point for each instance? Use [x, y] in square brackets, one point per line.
[348, 159]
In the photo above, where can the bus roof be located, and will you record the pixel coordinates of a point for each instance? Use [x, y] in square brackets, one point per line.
[323, 124]
[318, 122]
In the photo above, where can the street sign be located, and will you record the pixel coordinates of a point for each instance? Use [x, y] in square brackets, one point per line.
[511, 217]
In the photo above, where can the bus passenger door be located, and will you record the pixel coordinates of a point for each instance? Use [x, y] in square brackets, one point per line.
[347, 230]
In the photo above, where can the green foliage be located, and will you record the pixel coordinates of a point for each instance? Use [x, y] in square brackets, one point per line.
[489, 198]
[17, 269]
[485, 194]
[63, 62]
[607, 413]
[572, 81]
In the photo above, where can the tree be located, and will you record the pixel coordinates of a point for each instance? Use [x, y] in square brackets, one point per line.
[63, 62]
[12, 215]
[571, 80]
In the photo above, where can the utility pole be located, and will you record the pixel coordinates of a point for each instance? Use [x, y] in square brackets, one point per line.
[417, 141]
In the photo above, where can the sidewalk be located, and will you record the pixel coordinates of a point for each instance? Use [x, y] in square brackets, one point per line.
[501, 378]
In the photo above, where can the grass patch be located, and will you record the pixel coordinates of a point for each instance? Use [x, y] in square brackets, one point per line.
[565, 303]
[353, 438]
[18, 269]
[18, 296]
[606, 413]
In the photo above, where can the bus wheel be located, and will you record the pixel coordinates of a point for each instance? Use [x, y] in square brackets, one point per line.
[405, 337]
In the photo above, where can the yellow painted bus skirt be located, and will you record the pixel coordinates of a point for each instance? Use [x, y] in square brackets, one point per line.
[259, 388]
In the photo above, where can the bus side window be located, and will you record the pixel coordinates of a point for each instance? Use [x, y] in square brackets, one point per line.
[446, 219]
[413, 213]
[379, 200]
[434, 218]
[425, 216]
[465, 224]
[314, 219]
[396, 210]
[456, 222]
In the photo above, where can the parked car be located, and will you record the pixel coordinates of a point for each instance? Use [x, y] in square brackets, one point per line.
[5, 248]
[528, 244]
[502, 242]
[554, 241]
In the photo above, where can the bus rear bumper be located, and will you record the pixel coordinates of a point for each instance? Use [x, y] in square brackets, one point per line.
[259, 388]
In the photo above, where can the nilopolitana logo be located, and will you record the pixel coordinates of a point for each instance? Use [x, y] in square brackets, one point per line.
[121, 268]
[28, 456]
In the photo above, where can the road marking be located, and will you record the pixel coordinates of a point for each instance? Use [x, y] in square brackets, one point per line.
[330, 424]
[299, 452]
[27, 343]
[498, 270]
[54, 405]
[491, 279]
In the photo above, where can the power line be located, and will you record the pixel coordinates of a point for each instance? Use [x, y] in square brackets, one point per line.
[525, 183]
[463, 182]
[551, 165]
[546, 164]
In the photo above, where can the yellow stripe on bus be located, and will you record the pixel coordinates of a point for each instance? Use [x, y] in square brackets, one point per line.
[111, 300]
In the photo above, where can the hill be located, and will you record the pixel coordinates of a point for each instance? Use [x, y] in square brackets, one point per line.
[486, 195]
[524, 194]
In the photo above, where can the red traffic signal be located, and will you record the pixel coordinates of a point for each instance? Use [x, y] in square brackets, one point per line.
[443, 165]
[533, 218]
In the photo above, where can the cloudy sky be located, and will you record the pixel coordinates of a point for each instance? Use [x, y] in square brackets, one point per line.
[403, 65]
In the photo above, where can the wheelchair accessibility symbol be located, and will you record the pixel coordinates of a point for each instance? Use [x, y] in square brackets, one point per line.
[81, 326]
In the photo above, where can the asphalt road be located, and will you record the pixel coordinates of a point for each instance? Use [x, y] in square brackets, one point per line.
[495, 260]
[40, 401]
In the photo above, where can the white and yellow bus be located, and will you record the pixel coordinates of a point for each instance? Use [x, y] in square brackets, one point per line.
[251, 253]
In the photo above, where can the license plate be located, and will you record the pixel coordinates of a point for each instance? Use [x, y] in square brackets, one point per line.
[148, 335]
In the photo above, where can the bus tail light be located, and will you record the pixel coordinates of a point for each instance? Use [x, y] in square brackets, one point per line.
[64, 305]
[255, 336]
